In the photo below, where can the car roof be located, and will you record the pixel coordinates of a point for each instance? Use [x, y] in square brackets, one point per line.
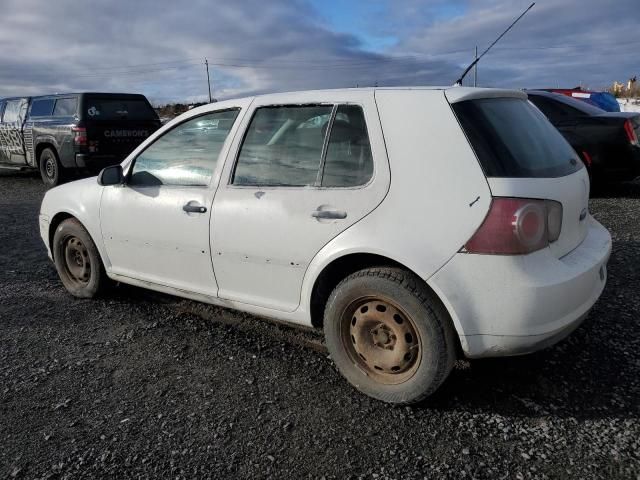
[584, 107]
[453, 93]
[6, 99]
[97, 94]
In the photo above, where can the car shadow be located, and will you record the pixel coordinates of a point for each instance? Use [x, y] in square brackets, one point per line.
[617, 190]
[591, 374]
[5, 172]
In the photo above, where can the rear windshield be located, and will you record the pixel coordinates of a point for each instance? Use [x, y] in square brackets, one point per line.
[512, 138]
[113, 108]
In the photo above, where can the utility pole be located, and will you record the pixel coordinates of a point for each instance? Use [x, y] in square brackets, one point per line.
[206, 64]
[475, 70]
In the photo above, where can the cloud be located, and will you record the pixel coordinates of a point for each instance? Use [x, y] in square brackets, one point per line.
[557, 43]
[157, 47]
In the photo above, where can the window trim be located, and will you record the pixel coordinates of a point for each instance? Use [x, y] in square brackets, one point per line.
[317, 185]
[127, 176]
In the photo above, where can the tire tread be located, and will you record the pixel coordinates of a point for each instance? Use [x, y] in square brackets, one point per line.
[415, 286]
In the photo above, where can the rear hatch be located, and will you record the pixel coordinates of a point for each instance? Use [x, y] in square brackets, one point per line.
[524, 156]
[117, 123]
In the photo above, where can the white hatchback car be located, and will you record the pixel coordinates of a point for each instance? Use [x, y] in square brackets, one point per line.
[413, 224]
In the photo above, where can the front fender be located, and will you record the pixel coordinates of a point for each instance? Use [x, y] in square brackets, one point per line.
[81, 200]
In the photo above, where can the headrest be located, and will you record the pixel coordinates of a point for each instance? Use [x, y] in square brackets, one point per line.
[342, 131]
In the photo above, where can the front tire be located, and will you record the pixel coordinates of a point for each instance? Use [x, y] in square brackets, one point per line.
[77, 260]
[51, 170]
[389, 336]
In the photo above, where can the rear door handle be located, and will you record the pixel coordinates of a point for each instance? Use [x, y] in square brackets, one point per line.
[329, 214]
[194, 208]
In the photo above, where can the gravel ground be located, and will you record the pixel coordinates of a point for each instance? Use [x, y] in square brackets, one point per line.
[141, 385]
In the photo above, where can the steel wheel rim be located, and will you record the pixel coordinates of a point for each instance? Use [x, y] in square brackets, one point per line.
[76, 260]
[381, 339]
[50, 167]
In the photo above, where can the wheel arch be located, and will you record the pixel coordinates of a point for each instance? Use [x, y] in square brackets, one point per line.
[60, 217]
[343, 266]
[43, 145]
[335, 271]
[57, 219]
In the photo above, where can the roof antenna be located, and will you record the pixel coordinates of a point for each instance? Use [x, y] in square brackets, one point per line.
[464, 74]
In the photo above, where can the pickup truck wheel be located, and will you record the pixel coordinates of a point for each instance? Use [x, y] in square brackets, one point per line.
[50, 169]
[77, 260]
[388, 336]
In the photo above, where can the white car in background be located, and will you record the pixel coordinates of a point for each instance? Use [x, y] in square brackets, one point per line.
[414, 225]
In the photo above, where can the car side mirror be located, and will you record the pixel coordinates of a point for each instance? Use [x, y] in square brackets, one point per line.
[111, 176]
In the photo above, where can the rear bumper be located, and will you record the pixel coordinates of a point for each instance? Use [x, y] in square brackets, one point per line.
[512, 305]
[97, 162]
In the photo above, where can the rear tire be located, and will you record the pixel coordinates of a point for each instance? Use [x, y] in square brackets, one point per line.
[77, 260]
[389, 336]
[51, 171]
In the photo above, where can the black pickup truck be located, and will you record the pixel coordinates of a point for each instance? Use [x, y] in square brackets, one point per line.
[80, 131]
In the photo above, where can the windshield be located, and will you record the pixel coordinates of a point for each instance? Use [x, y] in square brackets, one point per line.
[511, 138]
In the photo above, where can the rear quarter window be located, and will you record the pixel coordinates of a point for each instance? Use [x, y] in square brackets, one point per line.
[511, 138]
[65, 107]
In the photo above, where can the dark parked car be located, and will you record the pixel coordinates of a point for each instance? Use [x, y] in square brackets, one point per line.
[607, 142]
[60, 133]
[603, 100]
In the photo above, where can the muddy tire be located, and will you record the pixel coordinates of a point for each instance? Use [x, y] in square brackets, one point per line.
[77, 260]
[51, 171]
[389, 336]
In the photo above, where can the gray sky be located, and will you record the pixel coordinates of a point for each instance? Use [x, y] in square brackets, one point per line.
[157, 47]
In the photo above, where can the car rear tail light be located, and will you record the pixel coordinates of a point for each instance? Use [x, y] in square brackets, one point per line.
[631, 133]
[587, 159]
[517, 226]
[79, 135]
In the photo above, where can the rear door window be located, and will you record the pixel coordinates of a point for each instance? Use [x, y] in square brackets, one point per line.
[42, 108]
[106, 108]
[65, 107]
[511, 138]
[283, 146]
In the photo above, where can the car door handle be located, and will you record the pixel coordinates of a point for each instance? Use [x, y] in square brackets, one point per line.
[329, 214]
[194, 208]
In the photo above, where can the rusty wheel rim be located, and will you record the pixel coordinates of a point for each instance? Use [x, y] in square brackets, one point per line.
[381, 340]
[77, 261]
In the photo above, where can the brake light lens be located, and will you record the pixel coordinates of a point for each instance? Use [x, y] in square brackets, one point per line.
[587, 159]
[631, 133]
[79, 135]
[516, 226]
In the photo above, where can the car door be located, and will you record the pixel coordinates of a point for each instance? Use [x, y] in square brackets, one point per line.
[11, 140]
[155, 227]
[307, 168]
